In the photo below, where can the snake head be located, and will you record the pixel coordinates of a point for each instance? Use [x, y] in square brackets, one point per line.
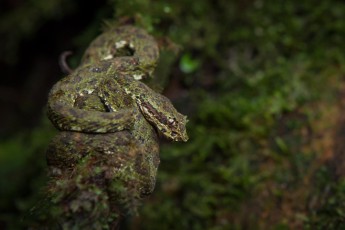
[156, 108]
[170, 123]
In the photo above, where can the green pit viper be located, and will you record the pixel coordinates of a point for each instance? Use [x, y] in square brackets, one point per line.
[106, 154]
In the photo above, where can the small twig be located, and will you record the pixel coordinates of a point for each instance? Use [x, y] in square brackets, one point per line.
[63, 64]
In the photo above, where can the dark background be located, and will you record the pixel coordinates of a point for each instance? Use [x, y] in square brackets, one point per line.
[32, 37]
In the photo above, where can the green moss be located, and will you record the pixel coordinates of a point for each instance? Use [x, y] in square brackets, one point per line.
[265, 60]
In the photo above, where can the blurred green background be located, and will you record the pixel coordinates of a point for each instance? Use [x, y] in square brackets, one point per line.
[261, 83]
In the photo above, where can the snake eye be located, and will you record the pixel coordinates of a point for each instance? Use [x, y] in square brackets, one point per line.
[172, 121]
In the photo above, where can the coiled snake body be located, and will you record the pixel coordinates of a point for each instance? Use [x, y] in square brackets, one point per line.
[106, 156]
